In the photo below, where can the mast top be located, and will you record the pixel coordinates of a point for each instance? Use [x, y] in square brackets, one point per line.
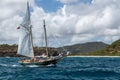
[44, 22]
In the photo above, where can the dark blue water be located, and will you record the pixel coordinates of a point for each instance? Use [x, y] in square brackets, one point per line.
[70, 68]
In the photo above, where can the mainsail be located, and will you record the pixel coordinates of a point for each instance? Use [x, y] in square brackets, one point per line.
[25, 46]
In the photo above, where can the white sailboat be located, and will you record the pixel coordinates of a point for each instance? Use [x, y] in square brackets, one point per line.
[25, 46]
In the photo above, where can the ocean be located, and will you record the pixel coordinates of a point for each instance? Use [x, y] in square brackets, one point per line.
[69, 68]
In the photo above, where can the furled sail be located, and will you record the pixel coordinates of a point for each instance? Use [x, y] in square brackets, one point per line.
[25, 46]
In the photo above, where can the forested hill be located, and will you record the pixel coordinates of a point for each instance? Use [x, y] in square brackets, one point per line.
[86, 47]
[111, 50]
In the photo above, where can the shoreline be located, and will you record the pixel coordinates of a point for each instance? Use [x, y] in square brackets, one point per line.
[96, 56]
[76, 56]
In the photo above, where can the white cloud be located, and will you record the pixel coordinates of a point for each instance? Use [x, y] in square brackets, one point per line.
[75, 23]
[10, 18]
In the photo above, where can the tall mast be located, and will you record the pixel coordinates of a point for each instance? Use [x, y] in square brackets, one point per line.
[32, 41]
[45, 37]
[31, 37]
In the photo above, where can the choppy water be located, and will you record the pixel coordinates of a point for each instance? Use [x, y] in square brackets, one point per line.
[70, 68]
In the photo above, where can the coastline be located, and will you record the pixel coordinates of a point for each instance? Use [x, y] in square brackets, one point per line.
[96, 56]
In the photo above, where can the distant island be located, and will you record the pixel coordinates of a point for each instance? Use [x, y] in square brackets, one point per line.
[85, 49]
[107, 50]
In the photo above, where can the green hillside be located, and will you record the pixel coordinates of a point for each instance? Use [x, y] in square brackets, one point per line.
[111, 50]
[85, 47]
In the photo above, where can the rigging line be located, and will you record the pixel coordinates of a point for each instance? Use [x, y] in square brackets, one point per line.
[25, 27]
[42, 39]
[59, 42]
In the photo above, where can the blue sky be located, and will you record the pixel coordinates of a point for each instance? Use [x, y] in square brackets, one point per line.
[49, 5]
[54, 5]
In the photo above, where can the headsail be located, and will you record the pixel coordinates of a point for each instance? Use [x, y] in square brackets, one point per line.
[25, 46]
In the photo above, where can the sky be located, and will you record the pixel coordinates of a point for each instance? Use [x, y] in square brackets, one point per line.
[67, 21]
